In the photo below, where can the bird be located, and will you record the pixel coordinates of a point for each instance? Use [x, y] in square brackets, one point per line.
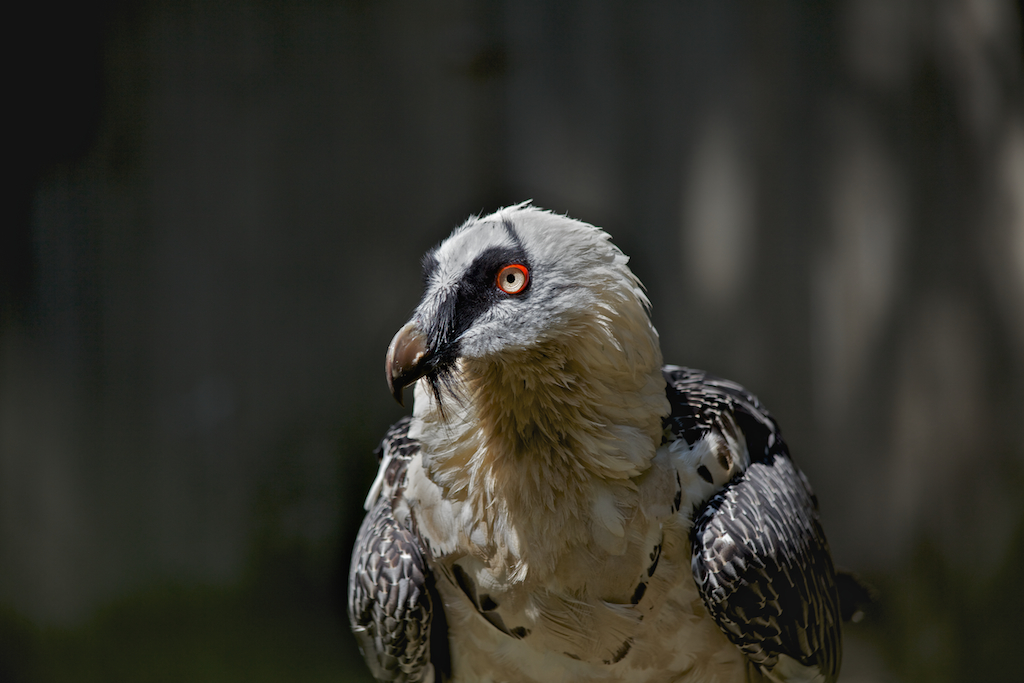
[563, 506]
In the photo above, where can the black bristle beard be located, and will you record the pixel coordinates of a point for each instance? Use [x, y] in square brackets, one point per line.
[445, 387]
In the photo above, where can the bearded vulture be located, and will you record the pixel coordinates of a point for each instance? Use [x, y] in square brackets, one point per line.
[561, 506]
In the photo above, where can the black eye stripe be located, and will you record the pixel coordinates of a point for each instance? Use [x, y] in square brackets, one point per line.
[513, 234]
[472, 297]
[486, 266]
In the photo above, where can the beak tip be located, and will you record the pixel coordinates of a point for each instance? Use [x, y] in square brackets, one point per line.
[396, 393]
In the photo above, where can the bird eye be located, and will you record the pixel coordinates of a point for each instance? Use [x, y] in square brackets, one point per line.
[512, 279]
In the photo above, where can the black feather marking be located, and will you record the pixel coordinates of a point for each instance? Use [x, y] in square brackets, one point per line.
[390, 607]
[484, 604]
[655, 556]
[391, 591]
[759, 554]
[678, 499]
[497, 622]
[638, 594]
[513, 234]
[762, 565]
[705, 474]
[702, 403]
[396, 441]
[466, 584]
[621, 653]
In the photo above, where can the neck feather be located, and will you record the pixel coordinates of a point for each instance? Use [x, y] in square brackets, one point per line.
[536, 440]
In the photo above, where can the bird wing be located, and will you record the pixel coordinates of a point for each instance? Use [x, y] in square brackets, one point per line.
[391, 595]
[759, 556]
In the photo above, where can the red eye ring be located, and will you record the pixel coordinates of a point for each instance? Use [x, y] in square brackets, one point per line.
[513, 278]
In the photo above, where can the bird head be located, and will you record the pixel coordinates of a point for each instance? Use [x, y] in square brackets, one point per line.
[535, 333]
[518, 282]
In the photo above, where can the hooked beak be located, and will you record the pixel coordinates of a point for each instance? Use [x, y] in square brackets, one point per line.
[406, 359]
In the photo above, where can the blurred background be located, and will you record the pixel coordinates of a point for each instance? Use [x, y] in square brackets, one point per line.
[218, 214]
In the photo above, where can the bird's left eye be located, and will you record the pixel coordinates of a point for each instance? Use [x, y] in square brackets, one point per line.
[513, 278]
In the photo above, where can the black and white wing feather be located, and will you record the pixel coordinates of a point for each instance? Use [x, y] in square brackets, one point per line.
[759, 555]
[391, 599]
